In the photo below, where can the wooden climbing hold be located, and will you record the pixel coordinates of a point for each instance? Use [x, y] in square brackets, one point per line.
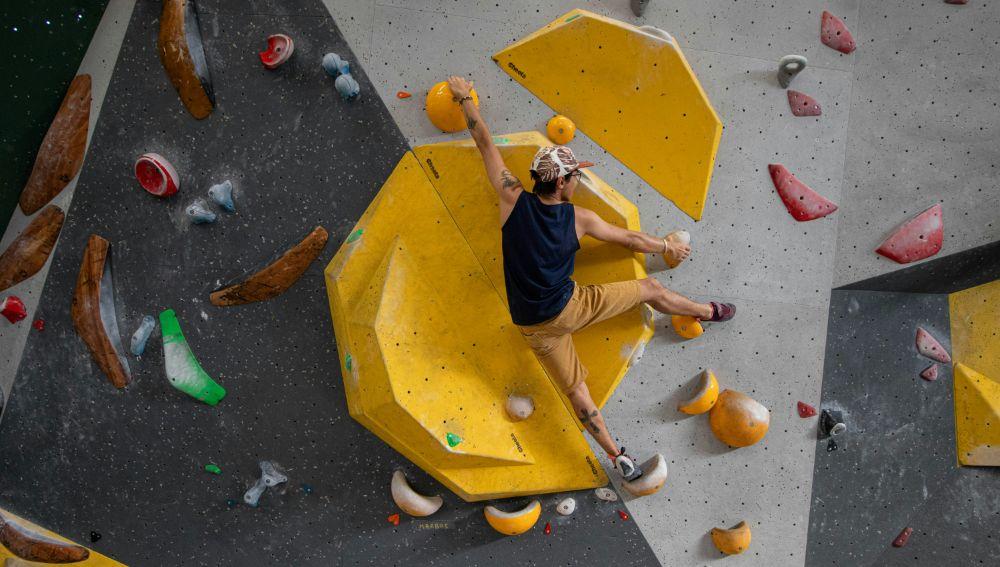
[834, 34]
[803, 104]
[918, 238]
[30, 250]
[902, 538]
[806, 410]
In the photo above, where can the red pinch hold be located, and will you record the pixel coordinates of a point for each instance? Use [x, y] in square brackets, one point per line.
[834, 34]
[930, 373]
[803, 104]
[13, 309]
[403, 94]
[902, 538]
[918, 238]
[802, 203]
[548, 528]
[393, 519]
[279, 49]
[39, 325]
[622, 514]
[806, 410]
[928, 346]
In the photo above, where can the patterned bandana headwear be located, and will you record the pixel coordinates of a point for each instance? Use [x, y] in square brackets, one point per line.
[553, 162]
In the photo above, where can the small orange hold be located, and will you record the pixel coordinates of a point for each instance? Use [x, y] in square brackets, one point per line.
[394, 519]
[403, 94]
[686, 326]
[548, 528]
[622, 514]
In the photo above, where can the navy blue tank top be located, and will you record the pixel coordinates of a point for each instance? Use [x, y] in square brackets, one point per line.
[539, 247]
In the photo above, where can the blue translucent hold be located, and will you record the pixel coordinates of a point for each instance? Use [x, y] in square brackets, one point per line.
[307, 488]
[222, 195]
[199, 212]
[141, 335]
[347, 87]
[334, 65]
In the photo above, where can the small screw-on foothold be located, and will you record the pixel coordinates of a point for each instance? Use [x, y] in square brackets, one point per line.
[453, 439]
[788, 67]
[902, 538]
[393, 519]
[213, 468]
[94, 537]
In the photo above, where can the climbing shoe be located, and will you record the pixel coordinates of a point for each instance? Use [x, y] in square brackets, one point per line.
[722, 311]
[626, 466]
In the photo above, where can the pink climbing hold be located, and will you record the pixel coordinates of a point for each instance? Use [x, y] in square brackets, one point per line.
[959, 2]
[802, 203]
[916, 239]
[803, 104]
[930, 373]
[930, 347]
[13, 309]
[902, 538]
[834, 34]
[806, 410]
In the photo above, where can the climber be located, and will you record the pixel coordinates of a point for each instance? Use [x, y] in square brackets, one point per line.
[540, 236]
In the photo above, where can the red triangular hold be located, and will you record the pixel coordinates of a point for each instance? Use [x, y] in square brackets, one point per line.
[930, 373]
[806, 410]
[834, 34]
[802, 203]
[928, 346]
[803, 104]
[916, 239]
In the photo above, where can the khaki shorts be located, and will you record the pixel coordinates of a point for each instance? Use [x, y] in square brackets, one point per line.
[552, 340]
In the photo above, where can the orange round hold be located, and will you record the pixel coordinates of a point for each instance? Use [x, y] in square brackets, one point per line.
[560, 129]
[442, 109]
[738, 420]
[687, 326]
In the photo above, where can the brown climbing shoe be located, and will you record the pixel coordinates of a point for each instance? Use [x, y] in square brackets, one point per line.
[722, 311]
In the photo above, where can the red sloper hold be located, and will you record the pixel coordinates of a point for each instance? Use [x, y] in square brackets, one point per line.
[806, 410]
[930, 373]
[13, 309]
[960, 2]
[802, 203]
[915, 239]
[803, 104]
[834, 34]
[930, 347]
[902, 538]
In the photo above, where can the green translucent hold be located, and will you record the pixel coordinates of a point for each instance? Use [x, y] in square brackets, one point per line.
[213, 468]
[355, 235]
[453, 439]
[573, 17]
[183, 369]
[347, 361]
[500, 140]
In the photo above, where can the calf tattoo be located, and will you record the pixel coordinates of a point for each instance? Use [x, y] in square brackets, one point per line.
[588, 422]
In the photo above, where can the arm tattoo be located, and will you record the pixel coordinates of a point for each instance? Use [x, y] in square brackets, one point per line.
[471, 122]
[508, 179]
[586, 420]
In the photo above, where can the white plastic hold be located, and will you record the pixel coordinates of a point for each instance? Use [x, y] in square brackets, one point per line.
[606, 494]
[566, 507]
[520, 407]
[410, 501]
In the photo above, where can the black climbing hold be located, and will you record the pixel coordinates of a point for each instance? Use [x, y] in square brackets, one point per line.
[94, 536]
[831, 424]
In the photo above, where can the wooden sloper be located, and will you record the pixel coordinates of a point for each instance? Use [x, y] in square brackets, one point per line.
[61, 154]
[278, 276]
[29, 251]
[36, 547]
[94, 294]
[183, 56]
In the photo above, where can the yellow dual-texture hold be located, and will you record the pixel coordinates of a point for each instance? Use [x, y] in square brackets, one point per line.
[429, 352]
[975, 340]
[631, 90]
[8, 559]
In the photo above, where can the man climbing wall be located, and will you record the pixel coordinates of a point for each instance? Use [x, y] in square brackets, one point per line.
[541, 232]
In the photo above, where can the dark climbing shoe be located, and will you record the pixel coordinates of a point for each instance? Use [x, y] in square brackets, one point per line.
[722, 311]
[626, 467]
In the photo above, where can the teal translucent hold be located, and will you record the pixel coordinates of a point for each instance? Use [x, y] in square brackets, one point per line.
[355, 235]
[453, 439]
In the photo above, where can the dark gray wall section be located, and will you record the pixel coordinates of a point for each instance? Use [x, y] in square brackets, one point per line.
[947, 274]
[897, 465]
[76, 455]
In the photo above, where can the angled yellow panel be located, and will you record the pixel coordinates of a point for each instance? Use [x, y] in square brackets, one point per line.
[975, 327]
[631, 90]
[456, 170]
[428, 350]
[977, 418]
[8, 559]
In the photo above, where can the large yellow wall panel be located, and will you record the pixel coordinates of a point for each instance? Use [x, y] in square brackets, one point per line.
[631, 90]
[975, 327]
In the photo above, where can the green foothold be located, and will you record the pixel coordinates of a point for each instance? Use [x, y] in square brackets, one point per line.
[571, 18]
[347, 361]
[453, 439]
[182, 368]
[355, 235]
[501, 140]
[213, 468]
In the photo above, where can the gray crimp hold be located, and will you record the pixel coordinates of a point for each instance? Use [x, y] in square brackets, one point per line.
[222, 195]
[270, 476]
[141, 335]
[788, 67]
[199, 213]
[639, 7]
